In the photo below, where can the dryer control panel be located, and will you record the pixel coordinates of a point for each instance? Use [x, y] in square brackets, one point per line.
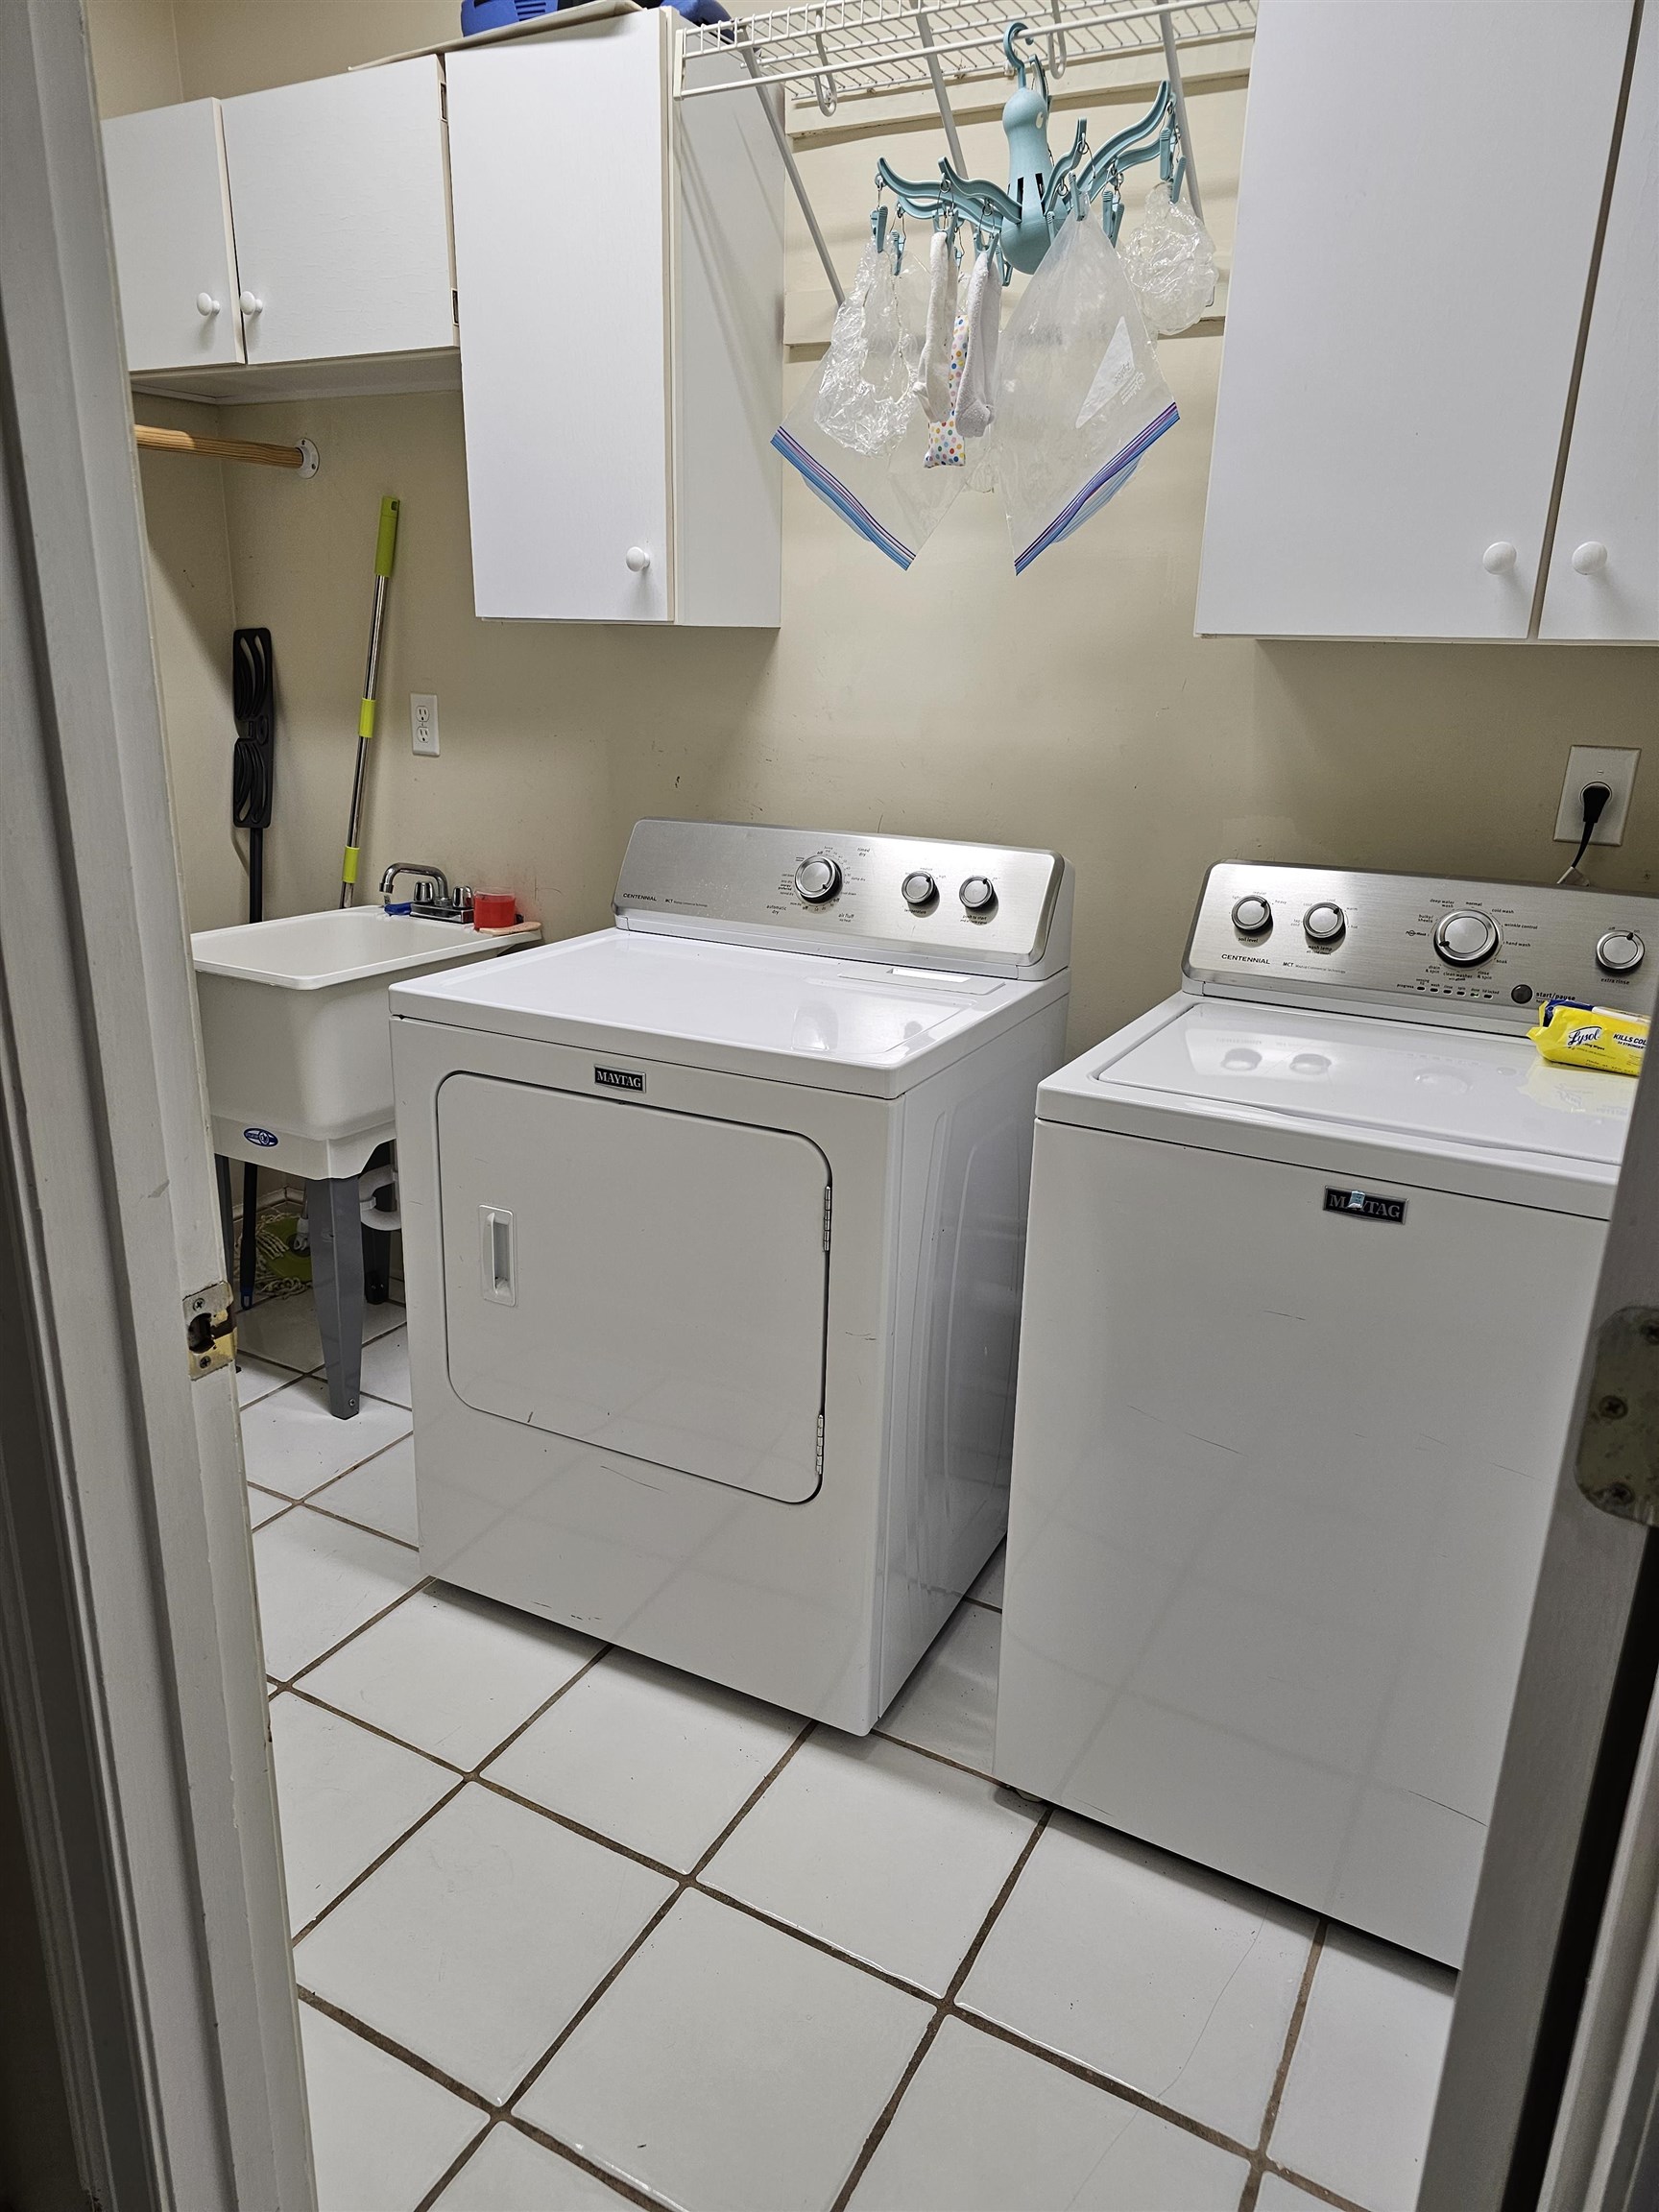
[1431, 949]
[917, 902]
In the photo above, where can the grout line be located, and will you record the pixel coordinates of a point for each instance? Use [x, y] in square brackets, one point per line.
[462, 2159]
[347, 1520]
[373, 1728]
[289, 1681]
[944, 1759]
[942, 2009]
[629, 2189]
[395, 2049]
[374, 1864]
[1126, 2091]
[1312, 2188]
[1293, 2033]
[752, 1799]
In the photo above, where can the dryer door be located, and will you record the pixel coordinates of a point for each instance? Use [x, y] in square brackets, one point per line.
[651, 1282]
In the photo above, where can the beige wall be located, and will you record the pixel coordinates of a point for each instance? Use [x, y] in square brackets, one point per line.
[1073, 709]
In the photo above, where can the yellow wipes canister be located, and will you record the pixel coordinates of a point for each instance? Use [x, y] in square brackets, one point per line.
[1579, 1036]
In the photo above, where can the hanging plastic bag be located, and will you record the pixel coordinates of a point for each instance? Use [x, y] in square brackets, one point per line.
[1080, 398]
[891, 498]
[1171, 260]
[864, 400]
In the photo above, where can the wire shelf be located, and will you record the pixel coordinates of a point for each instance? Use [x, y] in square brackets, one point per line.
[835, 50]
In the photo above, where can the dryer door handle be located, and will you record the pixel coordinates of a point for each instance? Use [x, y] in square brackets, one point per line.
[496, 1252]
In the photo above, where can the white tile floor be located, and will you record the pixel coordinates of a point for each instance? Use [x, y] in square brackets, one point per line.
[575, 1932]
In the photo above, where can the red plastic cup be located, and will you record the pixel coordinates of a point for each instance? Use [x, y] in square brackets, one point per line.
[494, 909]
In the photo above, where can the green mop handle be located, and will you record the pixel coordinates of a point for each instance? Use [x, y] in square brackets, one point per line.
[385, 551]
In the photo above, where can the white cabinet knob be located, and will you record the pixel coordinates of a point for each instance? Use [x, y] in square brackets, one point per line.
[638, 559]
[205, 304]
[1499, 558]
[251, 303]
[1590, 557]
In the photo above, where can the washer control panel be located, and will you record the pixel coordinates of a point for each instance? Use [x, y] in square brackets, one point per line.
[996, 909]
[1459, 949]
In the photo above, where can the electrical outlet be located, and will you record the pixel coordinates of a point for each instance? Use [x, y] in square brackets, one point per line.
[1614, 765]
[424, 720]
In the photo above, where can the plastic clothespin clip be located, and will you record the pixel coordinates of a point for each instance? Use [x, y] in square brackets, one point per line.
[878, 226]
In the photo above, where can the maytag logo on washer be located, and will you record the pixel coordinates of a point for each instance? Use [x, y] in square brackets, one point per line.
[1363, 1206]
[264, 1138]
[619, 1078]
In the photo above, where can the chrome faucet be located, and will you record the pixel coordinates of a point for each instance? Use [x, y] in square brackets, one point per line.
[432, 895]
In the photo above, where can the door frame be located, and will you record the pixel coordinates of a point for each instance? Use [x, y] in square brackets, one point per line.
[131, 1681]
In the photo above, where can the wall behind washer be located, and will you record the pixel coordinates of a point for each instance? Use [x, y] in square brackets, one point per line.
[1073, 709]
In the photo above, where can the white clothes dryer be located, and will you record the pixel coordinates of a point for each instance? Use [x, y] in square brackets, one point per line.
[713, 1230]
[1313, 1249]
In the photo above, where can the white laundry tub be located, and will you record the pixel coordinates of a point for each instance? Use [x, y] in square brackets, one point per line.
[295, 1029]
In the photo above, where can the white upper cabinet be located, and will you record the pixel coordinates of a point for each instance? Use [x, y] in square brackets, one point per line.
[619, 263]
[170, 216]
[340, 203]
[1418, 205]
[1604, 564]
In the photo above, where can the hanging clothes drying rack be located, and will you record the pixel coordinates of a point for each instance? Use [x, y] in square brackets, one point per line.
[1042, 192]
[836, 54]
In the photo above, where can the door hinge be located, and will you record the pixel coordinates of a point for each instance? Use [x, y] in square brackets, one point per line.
[829, 1203]
[1617, 1465]
[209, 1330]
[818, 1453]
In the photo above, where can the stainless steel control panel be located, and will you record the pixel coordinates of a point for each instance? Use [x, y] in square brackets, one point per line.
[921, 902]
[1433, 949]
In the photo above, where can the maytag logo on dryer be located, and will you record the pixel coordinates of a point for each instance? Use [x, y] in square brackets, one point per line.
[1363, 1205]
[619, 1078]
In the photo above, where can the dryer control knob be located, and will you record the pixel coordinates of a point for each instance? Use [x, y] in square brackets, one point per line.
[1324, 923]
[1620, 952]
[978, 893]
[818, 880]
[919, 888]
[1252, 914]
[1464, 939]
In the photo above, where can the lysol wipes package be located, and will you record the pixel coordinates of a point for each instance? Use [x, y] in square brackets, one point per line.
[1574, 1035]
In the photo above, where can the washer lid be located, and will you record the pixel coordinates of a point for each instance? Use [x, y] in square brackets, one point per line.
[1449, 1109]
[845, 1026]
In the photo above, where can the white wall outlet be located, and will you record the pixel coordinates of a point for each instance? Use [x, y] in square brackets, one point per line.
[1614, 765]
[424, 720]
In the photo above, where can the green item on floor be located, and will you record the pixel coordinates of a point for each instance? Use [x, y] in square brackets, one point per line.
[283, 1270]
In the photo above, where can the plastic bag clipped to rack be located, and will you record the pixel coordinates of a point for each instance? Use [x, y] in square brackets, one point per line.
[864, 399]
[1171, 260]
[1080, 397]
[890, 497]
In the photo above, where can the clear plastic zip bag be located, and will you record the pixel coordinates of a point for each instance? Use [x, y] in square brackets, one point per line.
[1171, 260]
[864, 400]
[890, 497]
[1080, 397]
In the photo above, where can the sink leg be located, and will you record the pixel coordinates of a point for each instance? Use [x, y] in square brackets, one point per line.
[226, 1223]
[331, 1211]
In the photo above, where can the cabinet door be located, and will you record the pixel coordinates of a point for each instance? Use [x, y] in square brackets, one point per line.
[1609, 516]
[1417, 207]
[170, 216]
[558, 152]
[341, 216]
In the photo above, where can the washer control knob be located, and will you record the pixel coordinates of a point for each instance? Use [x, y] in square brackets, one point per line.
[1324, 923]
[817, 880]
[1620, 952]
[978, 893]
[1252, 914]
[1466, 937]
[919, 888]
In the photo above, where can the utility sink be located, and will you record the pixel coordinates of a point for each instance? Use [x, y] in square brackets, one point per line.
[296, 1033]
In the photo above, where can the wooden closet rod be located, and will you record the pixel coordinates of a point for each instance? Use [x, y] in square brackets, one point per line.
[302, 457]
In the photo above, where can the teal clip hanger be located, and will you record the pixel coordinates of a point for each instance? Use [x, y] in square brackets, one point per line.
[1042, 191]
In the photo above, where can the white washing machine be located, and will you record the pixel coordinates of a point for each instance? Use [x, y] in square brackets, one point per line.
[1312, 1254]
[713, 1227]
